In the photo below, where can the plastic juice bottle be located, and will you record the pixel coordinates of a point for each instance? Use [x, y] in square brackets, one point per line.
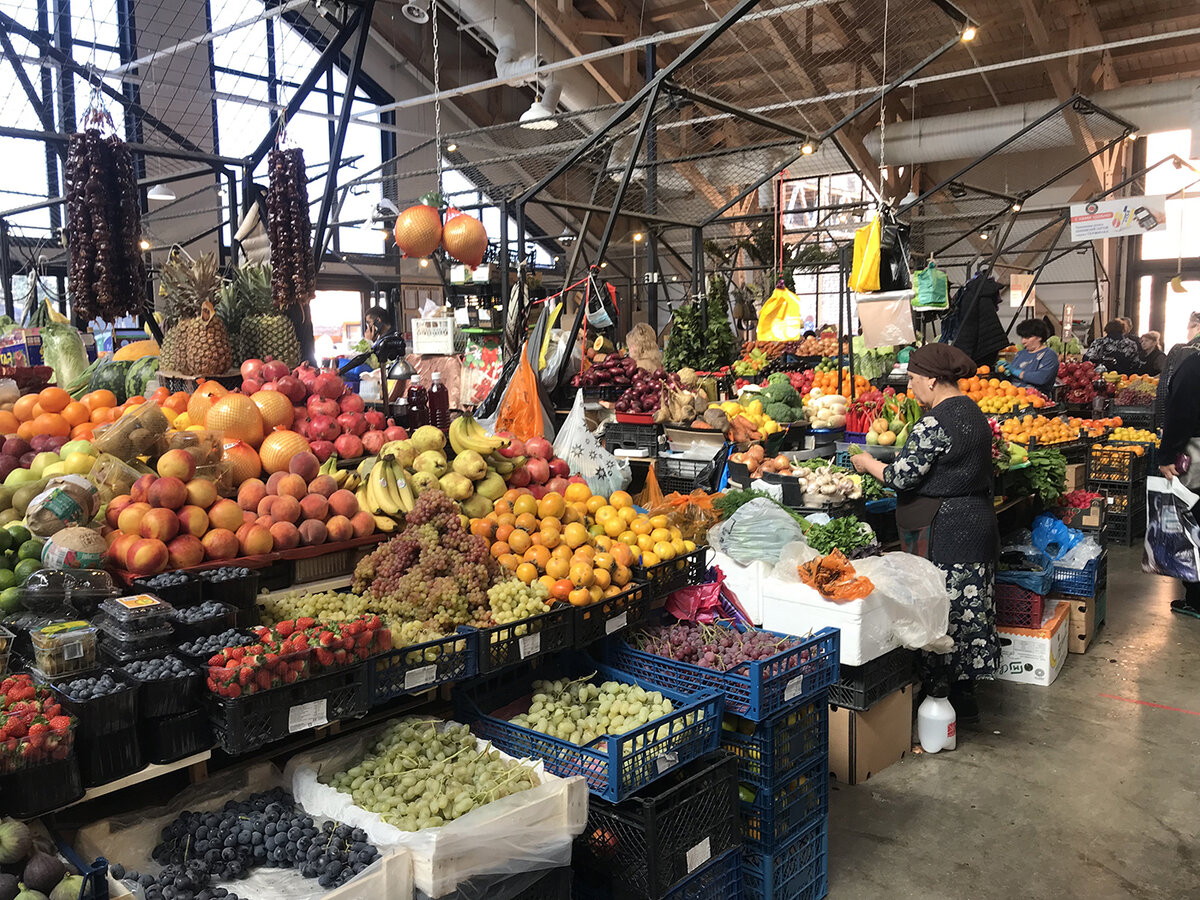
[439, 404]
[418, 403]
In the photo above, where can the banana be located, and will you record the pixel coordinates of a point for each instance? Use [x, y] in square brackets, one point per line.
[366, 501]
[340, 476]
[351, 482]
[364, 467]
[467, 434]
[382, 486]
[404, 490]
[330, 466]
[385, 524]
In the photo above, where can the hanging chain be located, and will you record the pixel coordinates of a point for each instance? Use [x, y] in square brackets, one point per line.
[882, 100]
[437, 90]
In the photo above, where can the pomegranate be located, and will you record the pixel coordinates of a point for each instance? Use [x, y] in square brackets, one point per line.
[274, 369]
[307, 375]
[352, 423]
[515, 448]
[250, 386]
[323, 428]
[464, 238]
[322, 450]
[252, 369]
[559, 468]
[518, 478]
[395, 433]
[418, 230]
[556, 484]
[539, 470]
[329, 385]
[319, 406]
[351, 403]
[348, 446]
[375, 419]
[373, 441]
[539, 447]
[292, 386]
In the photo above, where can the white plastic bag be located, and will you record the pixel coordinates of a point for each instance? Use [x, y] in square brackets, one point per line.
[915, 597]
[758, 531]
[603, 472]
[886, 318]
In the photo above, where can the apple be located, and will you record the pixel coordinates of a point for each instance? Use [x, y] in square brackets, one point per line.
[225, 514]
[352, 403]
[352, 423]
[348, 446]
[115, 505]
[538, 468]
[372, 442]
[202, 492]
[130, 518]
[322, 449]
[192, 520]
[147, 556]
[141, 488]
[185, 551]
[168, 493]
[220, 543]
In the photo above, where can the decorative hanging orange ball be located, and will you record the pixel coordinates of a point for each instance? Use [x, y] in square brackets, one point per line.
[464, 238]
[418, 230]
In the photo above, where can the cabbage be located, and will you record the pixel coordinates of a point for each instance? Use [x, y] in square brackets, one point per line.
[63, 351]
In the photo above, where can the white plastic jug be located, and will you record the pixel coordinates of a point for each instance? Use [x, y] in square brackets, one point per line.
[936, 725]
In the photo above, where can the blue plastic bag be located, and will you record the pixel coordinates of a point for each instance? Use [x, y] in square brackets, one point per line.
[1053, 537]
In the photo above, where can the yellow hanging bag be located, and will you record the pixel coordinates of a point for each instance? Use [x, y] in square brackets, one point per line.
[781, 319]
[864, 275]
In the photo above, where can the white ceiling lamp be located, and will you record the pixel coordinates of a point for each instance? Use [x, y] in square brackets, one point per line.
[540, 115]
[417, 11]
[160, 192]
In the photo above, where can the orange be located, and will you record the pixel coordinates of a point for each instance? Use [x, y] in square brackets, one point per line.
[51, 423]
[551, 505]
[76, 413]
[525, 504]
[527, 572]
[527, 521]
[582, 575]
[575, 535]
[577, 493]
[562, 589]
[8, 422]
[499, 549]
[54, 399]
[519, 541]
[26, 431]
[99, 415]
[23, 408]
[101, 398]
[82, 432]
[177, 402]
[620, 498]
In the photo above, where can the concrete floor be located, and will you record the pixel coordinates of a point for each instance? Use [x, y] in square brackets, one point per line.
[1067, 791]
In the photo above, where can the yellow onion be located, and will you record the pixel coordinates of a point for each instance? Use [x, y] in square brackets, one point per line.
[464, 238]
[418, 230]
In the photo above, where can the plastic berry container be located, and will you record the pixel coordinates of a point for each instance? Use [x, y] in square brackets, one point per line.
[46, 590]
[64, 648]
[113, 477]
[138, 612]
[121, 632]
[187, 628]
[185, 593]
[91, 587]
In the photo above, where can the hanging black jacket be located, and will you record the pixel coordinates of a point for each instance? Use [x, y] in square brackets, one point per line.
[980, 334]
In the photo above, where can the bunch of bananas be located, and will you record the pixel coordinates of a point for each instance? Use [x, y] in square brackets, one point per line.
[467, 434]
[355, 481]
[385, 489]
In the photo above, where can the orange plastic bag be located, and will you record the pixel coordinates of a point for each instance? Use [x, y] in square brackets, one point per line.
[834, 578]
[693, 514]
[520, 411]
[651, 495]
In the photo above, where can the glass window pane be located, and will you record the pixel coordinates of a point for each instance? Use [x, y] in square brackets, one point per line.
[1181, 236]
[1179, 307]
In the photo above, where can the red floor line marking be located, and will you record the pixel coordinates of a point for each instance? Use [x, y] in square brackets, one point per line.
[1190, 712]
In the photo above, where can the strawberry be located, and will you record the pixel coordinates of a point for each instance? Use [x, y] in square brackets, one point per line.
[236, 653]
[305, 622]
[245, 674]
[324, 657]
[264, 680]
[285, 629]
[233, 691]
[326, 638]
[60, 724]
[356, 627]
[291, 676]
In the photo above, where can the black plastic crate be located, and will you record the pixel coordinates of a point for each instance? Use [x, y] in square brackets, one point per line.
[1121, 499]
[507, 645]
[779, 747]
[718, 879]
[169, 738]
[625, 436]
[687, 475]
[672, 574]
[37, 790]
[180, 595]
[101, 715]
[1126, 529]
[860, 687]
[611, 614]
[1135, 416]
[420, 667]
[545, 884]
[214, 624]
[164, 696]
[609, 392]
[642, 847]
[240, 592]
[1115, 464]
[109, 757]
[255, 720]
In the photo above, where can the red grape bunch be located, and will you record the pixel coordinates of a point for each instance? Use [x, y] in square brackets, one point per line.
[717, 646]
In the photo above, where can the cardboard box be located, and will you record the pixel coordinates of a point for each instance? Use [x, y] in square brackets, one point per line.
[23, 347]
[862, 744]
[1076, 476]
[1036, 655]
[1087, 614]
[1092, 518]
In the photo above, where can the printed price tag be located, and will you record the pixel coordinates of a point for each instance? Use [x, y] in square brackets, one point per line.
[530, 644]
[794, 689]
[73, 650]
[418, 678]
[666, 761]
[307, 715]
[616, 623]
[699, 855]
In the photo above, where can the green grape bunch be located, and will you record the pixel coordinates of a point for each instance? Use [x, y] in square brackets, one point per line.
[580, 712]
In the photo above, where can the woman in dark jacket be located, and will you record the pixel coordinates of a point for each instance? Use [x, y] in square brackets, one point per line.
[1153, 358]
[943, 476]
[1180, 427]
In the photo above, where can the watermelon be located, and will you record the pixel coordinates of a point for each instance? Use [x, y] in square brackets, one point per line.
[111, 376]
[140, 373]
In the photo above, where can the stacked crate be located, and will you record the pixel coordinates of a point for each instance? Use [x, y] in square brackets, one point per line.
[1086, 590]
[1118, 472]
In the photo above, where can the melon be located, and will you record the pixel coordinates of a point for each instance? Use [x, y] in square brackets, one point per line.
[139, 375]
[111, 376]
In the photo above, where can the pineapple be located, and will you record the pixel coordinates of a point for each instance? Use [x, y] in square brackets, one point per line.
[261, 331]
[195, 342]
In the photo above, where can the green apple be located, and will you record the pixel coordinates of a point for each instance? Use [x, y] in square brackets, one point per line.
[76, 447]
[78, 462]
[55, 469]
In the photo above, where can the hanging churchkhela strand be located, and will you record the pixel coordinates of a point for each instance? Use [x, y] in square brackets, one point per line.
[293, 268]
[104, 229]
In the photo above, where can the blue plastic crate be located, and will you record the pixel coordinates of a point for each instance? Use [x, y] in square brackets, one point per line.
[799, 870]
[613, 766]
[789, 805]
[720, 879]
[779, 747]
[1082, 582]
[754, 690]
[1039, 582]
[420, 667]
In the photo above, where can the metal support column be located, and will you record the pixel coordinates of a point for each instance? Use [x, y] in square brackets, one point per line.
[697, 261]
[652, 268]
[6, 274]
[505, 268]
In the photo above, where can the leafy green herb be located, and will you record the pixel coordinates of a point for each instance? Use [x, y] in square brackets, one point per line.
[846, 534]
[731, 501]
[1047, 473]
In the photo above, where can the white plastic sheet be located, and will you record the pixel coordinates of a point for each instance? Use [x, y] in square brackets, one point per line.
[603, 472]
[758, 531]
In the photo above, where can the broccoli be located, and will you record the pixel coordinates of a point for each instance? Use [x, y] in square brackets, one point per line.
[780, 412]
[781, 393]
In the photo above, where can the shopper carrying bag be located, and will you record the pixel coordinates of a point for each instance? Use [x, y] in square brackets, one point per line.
[1179, 460]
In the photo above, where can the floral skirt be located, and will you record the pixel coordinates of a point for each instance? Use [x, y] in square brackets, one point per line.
[976, 654]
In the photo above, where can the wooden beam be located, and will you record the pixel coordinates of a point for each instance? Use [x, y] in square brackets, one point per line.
[607, 72]
[836, 20]
[613, 8]
[622, 28]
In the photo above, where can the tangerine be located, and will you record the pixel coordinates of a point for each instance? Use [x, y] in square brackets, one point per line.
[53, 399]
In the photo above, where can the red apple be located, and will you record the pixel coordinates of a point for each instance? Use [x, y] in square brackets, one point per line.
[348, 446]
[147, 556]
[184, 551]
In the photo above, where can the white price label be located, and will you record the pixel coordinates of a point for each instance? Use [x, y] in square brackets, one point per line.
[73, 650]
[699, 855]
[307, 715]
[616, 623]
[794, 689]
[666, 761]
[531, 645]
[418, 678]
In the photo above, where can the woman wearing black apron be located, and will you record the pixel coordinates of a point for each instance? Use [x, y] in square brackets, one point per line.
[943, 479]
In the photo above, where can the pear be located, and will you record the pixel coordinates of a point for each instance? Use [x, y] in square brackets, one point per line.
[471, 465]
[492, 487]
[427, 437]
[476, 506]
[431, 461]
[457, 487]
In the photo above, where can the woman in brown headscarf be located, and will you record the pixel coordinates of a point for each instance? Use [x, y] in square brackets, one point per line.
[943, 478]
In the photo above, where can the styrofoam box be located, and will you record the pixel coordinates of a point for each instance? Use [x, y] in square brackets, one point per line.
[866, 630]
[745, 581]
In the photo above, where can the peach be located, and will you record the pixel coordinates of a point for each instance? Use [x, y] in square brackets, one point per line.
[115, 505]
[314, 506]
[363, 523]
[251, 493]
[220, 543]
[177, 464]
[201, 492]
[193, 520]
[285, 535]
[147, 556]
[185, 551]
[273, 482]
[285, 509]
[168, 493]
[160, 524]
[266, 504]
[339, 528]
[343, 503]
[141, 488]
[312, 532]
[305, 465]
[119, 548]
[256, 541]
[264, 521]
[292, 486]
[250, 517]
[226, 514]
[130, 518]
[241, 534]
[324, 485]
